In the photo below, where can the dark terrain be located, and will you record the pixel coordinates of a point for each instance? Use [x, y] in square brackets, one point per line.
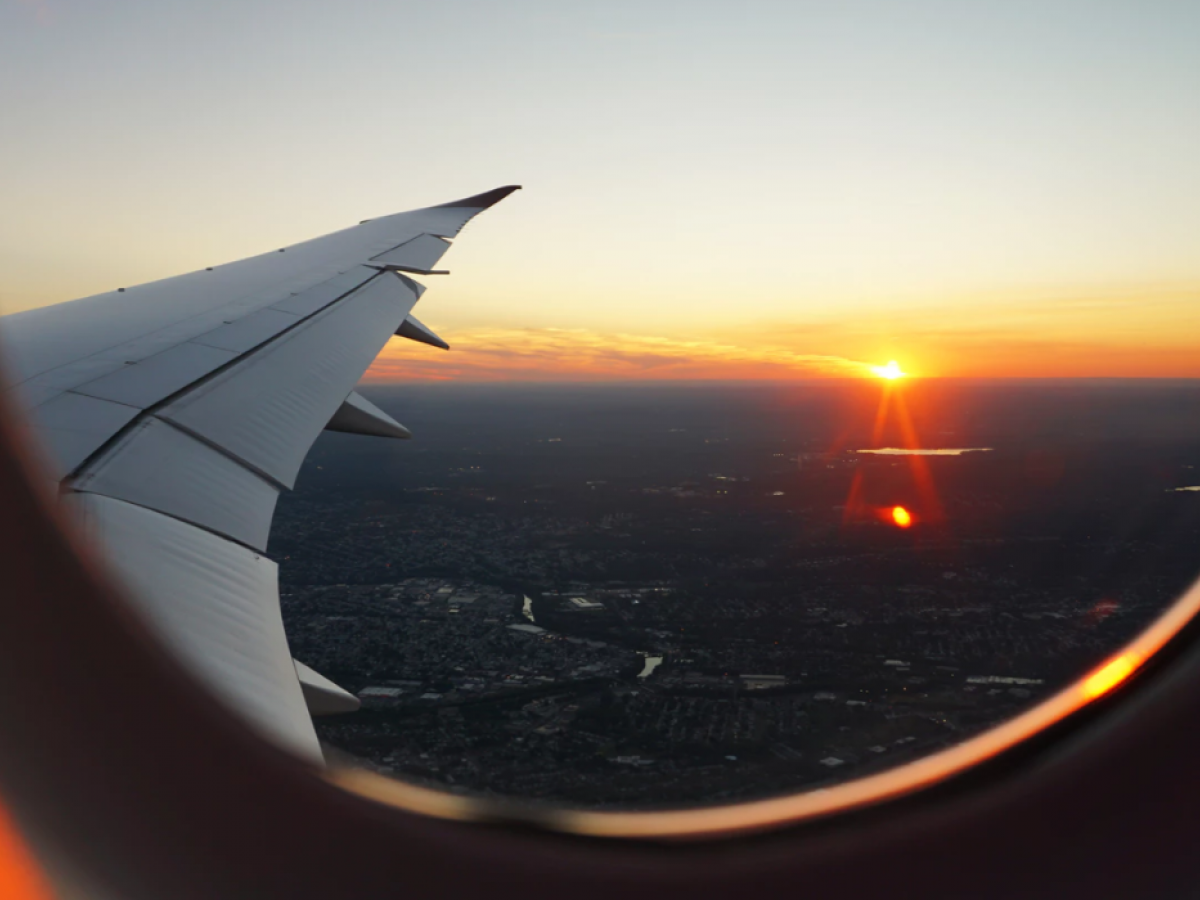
[734, 532]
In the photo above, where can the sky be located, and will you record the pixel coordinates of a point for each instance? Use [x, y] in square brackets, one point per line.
[763, 189]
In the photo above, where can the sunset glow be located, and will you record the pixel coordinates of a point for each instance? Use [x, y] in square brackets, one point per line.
[891, 371]
[582, 354]
[986, 347]
[895, 227]
[902, 517]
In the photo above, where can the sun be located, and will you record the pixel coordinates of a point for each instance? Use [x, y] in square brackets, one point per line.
[891, 371]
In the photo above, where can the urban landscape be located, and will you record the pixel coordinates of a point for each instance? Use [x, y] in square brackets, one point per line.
[697, 611]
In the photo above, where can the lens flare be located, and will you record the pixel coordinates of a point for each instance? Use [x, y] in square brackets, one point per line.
[901, 516]
[891, 371]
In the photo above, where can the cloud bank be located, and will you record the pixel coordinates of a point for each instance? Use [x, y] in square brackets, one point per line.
[560, 354]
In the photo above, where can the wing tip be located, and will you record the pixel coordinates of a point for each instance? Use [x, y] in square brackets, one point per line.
[481, 201]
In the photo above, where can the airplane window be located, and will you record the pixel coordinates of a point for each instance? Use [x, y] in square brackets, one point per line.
[827, 407]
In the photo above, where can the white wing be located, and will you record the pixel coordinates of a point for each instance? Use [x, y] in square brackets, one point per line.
[174, 412]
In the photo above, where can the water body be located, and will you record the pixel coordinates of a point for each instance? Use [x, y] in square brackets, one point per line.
[652, 663]
[940, 451]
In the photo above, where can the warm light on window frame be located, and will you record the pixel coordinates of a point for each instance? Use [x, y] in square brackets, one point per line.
[776, 812]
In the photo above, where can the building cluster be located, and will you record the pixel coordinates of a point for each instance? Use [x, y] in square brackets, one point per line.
[428, 640]
[479, 688]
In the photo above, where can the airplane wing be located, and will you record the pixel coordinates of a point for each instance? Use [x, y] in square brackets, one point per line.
[173, 413]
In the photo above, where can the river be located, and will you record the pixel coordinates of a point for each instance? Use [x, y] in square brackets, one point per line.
[652, 663]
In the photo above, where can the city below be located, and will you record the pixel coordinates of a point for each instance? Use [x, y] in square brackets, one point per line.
[620, 597]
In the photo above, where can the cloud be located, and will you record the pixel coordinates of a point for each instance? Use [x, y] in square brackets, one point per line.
[560, 354]
[929, 347]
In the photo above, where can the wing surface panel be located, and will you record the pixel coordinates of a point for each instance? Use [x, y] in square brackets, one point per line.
[38, 342]
[316, 298]
[72, 426]
[419, 255]
[196, 329]
[145, 383]
[269, 408]
[249, 331]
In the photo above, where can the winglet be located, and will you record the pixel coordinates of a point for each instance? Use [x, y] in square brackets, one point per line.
[481, 201]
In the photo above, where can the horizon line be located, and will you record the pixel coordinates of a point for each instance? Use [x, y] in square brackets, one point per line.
[580, 382]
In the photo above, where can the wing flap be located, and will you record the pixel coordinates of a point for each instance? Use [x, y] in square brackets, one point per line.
[215, 604]
[158, 466]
